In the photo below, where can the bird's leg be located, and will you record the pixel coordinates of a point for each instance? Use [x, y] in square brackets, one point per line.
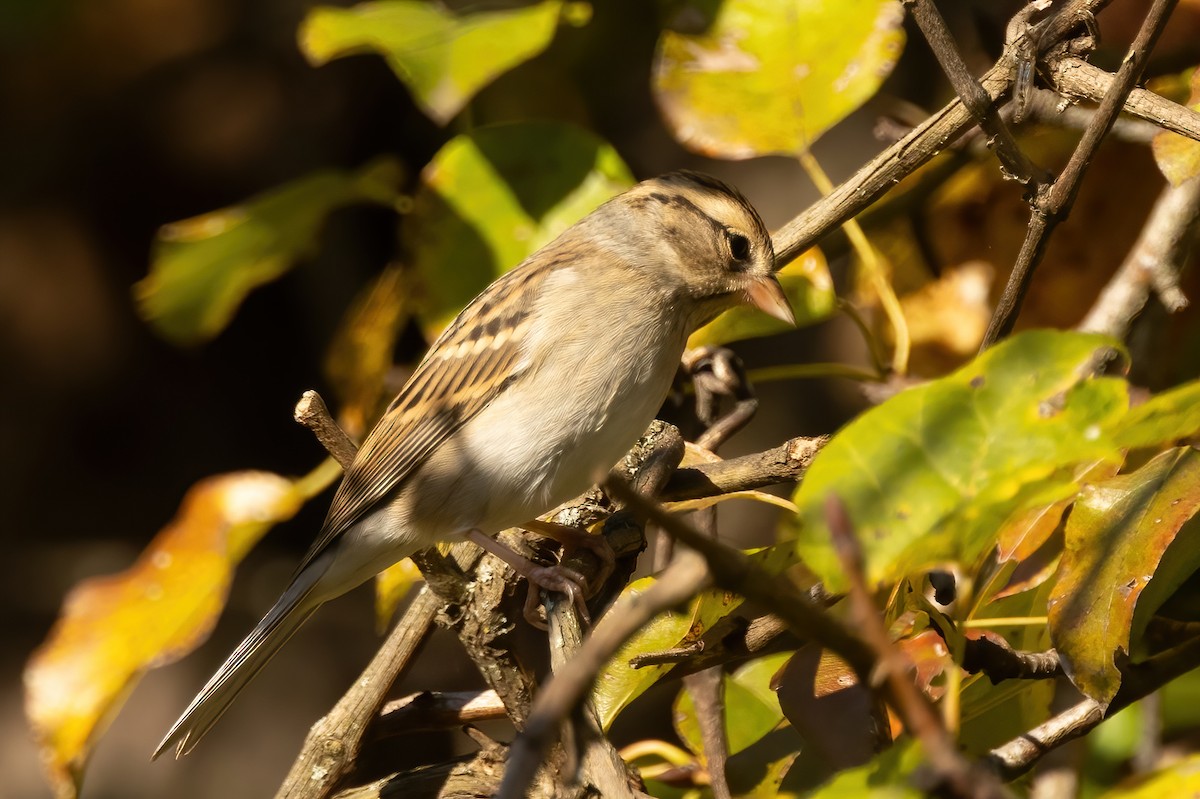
[550, 578]
[573, 538]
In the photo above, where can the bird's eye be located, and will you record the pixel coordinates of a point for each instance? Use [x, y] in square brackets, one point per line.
[739, 246]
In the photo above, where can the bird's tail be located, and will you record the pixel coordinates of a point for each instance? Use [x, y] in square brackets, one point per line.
[281, 621]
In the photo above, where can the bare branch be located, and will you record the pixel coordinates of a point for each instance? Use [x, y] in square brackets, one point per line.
[1021, 754]
[1075, 78]
[783, 464]
[435, 710]
[686, 576]
[978, 102]
[331, 747]
[312, 412]
[884, 171]
[992, 655]
[1155, 262]
[650, 465]
[1053, 204]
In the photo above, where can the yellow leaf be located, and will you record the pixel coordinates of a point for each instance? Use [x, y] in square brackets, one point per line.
[1178, 156]
[114, 628]
[390, 587]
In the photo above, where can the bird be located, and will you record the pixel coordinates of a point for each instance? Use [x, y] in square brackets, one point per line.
[545, 379]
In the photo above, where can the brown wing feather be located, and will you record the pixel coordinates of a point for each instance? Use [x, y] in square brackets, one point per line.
[473, 361]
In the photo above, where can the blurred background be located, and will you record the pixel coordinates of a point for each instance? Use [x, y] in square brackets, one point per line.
[119, 116]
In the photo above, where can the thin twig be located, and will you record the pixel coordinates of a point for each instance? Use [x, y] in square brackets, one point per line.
[952, 771]
[730, 641]
[1053, 204]
[1157, 258]
[1049, 108]
[1012, 160]
[1021, 754]
[995, 657]
[883, 172]
[312, 412]
[437, 710]
[1071, 76]
[786, 463]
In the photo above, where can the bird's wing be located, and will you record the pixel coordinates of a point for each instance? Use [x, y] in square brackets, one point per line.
[478, 357]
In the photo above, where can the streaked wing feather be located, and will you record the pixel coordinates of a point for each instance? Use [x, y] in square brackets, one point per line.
[473, 361]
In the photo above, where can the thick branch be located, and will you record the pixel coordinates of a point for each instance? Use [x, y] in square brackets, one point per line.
[1075, 78]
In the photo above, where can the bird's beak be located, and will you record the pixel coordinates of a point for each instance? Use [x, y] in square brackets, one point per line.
[767, 296]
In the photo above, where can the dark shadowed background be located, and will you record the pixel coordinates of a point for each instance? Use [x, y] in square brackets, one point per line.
[118, 116]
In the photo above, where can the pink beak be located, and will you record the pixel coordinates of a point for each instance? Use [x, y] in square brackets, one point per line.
[767, 296]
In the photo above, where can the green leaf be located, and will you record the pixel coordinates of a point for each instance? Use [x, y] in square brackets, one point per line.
[809, 289]
[932, 474]
[751, 707]
[888, 776]
[442, 57]
[766, 76]
[492, 197]
[618, 683]
[1162, 419]
[202, 268]
[1115, 539]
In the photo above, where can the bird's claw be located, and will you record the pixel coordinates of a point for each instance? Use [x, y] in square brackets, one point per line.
[558, 579]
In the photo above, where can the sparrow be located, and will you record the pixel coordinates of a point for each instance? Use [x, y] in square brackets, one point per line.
[545, 379]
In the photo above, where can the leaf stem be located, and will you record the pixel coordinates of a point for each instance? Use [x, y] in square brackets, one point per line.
[871, 264]
[800, 371]
[1004, 621]
[319, 478]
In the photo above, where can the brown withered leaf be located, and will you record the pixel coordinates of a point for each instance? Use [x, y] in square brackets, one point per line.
[839, 719]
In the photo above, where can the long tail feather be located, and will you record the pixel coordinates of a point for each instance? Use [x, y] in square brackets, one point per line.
[239, 669]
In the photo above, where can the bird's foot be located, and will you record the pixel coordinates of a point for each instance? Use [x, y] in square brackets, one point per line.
[572, 538]
[551, 578]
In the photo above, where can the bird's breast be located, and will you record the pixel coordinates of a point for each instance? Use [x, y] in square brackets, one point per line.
[581, 404]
